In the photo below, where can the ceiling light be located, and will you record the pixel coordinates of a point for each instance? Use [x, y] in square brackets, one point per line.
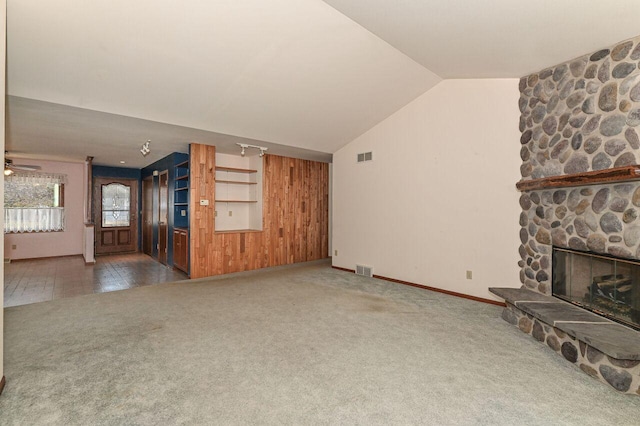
[244, 146]
[8, 172]
[145, 150]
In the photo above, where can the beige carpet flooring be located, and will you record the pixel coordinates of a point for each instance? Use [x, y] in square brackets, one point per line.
[295, 345]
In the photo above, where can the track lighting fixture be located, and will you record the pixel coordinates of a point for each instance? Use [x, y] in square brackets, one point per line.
[145, 150]
[245, 146]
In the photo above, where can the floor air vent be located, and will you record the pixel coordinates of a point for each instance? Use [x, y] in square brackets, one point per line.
[366, 271]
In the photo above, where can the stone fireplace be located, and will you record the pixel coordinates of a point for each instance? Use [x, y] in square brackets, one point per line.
[580, 225]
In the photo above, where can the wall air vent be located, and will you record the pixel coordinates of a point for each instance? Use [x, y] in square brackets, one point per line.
[365, 271]
[365, 156]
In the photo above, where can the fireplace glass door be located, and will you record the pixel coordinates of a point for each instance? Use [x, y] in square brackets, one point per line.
[606, 285]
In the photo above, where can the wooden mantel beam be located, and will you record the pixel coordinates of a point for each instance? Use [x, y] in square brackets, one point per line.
[618, 174]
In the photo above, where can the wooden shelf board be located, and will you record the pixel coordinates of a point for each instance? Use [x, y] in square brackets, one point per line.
[182, 177]
[236, 201]
[618, 174]
[236, 231]
[236, 181]
[180, 204]
[183, 164]
[233, 169]
[182, 189]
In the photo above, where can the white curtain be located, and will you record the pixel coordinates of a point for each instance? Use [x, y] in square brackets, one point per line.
[33, 219]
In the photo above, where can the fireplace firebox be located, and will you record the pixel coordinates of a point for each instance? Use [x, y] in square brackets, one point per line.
[606, 285]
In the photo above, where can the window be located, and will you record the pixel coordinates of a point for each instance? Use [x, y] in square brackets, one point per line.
[116, 204]
[34, 202]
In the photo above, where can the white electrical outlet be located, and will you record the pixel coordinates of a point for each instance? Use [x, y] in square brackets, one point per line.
[204, 202]
[183, 212]
[469, 275]
[335, 253]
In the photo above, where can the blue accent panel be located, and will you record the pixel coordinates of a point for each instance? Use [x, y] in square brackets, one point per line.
[167, 163]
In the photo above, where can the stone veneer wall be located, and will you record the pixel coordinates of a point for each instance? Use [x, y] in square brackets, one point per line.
[580, 116]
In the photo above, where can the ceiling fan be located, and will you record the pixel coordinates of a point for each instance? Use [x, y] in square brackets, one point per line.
[9, 167]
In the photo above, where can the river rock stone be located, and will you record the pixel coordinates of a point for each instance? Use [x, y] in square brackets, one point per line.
[559, 148]
[559, 196]
[625, 106]
[591, 125]
[526, 169]
[614, 147]
[623, 69]
[525, 154]
[524, 219]
[626, 159]
[524, 235]
[576, 141]
[525, 324]
[580, 84]
[624, 363]
[576, 99]
[612, 125]
[631, 235]
[550, 125]
[633, 117]
[636, 53]
[635, 199]
[558, 237]
[632, 137]
[577, 244]
[560, 72]
[634, 94]
[526, 137]
[577, 122]
[573, 199]
[618, 204]
[621, 51]
[615, 239]
[589, 105]
[553, 342]
[610, 223]
[600, 162]
[543, 236]
[587, 369]
[583, 205]
[578, 163]
[593, 87]
[608, 99]
[569, 351]
[597, 243]
[604, 72]
[629, 215]
[628, 83]
[532, 80]
[591, 145]
[594, 355]
[623, 189]
[561, 212]
[591, 71]
[522, 104]
[535, 197]
[599, 55]
[538, 113]
[591, 220]
[619, 252]
[538, 332]
[540, 212]
[581, 227]
[566, 89]
[619, 379]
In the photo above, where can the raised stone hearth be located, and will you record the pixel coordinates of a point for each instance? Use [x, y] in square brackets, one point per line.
[601, 348]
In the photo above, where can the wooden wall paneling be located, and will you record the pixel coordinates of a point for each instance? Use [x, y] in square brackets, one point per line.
[295, 217]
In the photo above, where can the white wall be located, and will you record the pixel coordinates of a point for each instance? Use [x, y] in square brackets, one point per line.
[439, 197]
[3, 52]
[49, 244]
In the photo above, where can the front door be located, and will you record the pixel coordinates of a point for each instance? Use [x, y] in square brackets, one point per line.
[116, 202]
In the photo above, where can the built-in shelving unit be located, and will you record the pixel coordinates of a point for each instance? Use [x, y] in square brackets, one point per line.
[181, 216]
[238, 193]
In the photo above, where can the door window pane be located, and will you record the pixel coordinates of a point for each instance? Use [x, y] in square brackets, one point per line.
[116, 204]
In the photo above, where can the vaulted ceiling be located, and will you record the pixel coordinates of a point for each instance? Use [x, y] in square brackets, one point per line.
[303, 77]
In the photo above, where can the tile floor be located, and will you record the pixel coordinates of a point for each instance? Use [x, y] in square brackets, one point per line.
[39, 280]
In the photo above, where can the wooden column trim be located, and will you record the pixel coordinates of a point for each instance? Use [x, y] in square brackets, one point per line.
[426, 287]
[618, 174]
